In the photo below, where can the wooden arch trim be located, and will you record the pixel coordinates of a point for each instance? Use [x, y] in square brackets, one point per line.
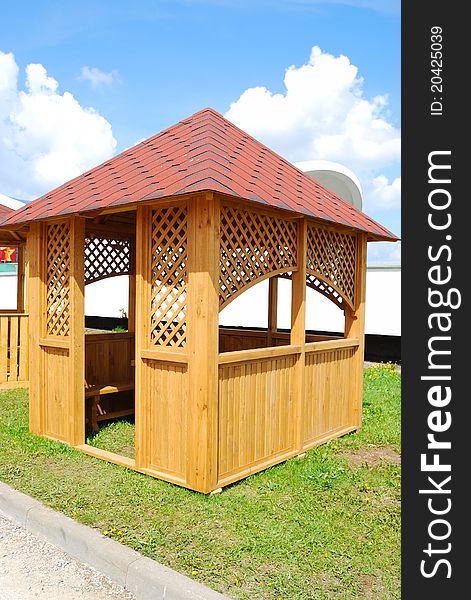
[277, 273]
[102, 261]
[110, 276]
[329, 291]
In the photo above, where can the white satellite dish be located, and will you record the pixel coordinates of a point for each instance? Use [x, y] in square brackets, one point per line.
[336, 178]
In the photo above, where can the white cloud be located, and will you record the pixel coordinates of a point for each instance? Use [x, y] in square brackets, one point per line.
[98, 78]
[382, 195]
[46, 137]
[323, 114]
[38, 81]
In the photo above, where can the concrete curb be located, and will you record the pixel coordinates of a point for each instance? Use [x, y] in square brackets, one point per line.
[143, 577]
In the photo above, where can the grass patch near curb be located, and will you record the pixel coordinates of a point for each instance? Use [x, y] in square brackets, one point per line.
[322, 527]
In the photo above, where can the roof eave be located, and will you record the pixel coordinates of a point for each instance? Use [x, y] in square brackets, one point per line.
[120, 206]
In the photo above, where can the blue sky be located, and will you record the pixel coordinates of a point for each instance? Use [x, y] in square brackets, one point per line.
[152, 63]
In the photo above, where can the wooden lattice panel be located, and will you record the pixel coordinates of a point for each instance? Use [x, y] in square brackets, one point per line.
[57, 279]
[106, 257]
[253, 245]
[331, 260]
[169, 276]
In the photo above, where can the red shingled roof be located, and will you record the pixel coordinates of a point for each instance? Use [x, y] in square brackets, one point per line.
[203, 152]
[5, 211]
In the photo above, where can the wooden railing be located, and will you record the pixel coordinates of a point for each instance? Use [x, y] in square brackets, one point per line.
[258, 410]
[109, 358]
[231, 339]
[329, 378]
[13, 350]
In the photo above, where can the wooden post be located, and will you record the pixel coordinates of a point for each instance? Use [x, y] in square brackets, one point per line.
[36, 290]
[203, 317]
[77, 333]
[298, 329]
[142, 324]
[355, 328]
[272, 309]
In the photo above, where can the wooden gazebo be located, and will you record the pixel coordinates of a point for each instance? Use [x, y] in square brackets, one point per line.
[195, 216]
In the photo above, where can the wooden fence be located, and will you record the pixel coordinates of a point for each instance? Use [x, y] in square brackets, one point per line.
[13, 350]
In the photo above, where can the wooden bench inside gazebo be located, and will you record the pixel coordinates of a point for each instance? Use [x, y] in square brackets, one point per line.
[195, 216]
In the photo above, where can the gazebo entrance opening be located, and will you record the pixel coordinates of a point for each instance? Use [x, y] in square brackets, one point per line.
[109, 252]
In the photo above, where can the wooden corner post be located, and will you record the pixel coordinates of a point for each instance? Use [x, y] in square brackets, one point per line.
[203, 319]
[35, 289]
[141, 327]
[77, 333]
[355, 328]
[298, 330]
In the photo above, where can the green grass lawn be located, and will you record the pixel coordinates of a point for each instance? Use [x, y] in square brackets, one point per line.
[320, 527]
[115, 436]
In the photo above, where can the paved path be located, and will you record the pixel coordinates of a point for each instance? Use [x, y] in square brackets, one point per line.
[32, 569]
